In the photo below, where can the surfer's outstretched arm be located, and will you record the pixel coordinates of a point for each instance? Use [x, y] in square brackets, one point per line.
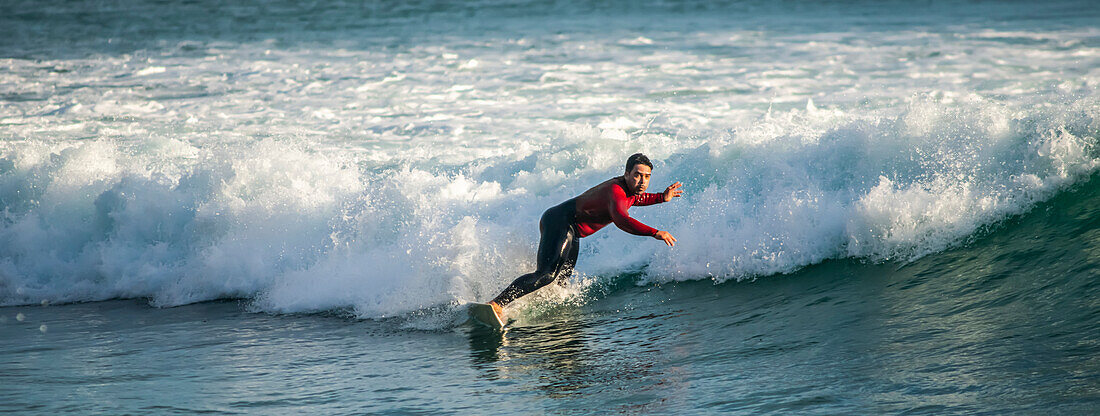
[562, 226]
[673, 191]
[619, 203]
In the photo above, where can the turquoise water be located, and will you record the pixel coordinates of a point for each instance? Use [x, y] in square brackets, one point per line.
[283, 207]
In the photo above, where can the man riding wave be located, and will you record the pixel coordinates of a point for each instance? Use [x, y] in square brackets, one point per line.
[563, 226]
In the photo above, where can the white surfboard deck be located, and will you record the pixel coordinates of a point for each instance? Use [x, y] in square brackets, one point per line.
[483, 314]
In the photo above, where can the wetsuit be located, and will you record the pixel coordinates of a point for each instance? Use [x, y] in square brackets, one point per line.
[563, 225]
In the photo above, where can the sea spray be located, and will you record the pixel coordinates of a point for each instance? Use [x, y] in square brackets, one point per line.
[383, 169]
[300, 229]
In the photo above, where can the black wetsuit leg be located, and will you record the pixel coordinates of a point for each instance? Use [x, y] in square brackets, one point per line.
[557, 253]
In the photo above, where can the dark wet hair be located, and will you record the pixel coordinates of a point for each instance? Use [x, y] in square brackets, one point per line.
[635, 159]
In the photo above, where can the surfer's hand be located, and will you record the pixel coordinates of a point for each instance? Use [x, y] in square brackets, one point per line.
[671, 192]
[666, 237]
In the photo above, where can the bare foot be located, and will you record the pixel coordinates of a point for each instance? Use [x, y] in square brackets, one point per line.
[498, 310]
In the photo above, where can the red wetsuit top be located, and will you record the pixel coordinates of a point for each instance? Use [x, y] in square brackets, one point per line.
[607, 202]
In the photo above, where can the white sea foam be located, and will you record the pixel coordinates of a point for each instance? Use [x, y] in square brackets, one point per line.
[388, 178]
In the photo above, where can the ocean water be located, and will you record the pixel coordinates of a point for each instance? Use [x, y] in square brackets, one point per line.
[281, 207]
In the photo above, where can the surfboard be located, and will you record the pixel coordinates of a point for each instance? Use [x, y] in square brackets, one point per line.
[483, 314]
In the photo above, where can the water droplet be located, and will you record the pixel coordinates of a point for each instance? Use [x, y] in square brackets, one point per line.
[42, 328]
[20, 317]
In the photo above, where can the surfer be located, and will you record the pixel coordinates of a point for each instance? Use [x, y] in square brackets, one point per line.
[563, 226]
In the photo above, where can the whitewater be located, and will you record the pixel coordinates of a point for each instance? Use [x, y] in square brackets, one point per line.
[386, 170]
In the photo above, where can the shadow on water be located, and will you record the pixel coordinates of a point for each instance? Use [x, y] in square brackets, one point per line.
[485, 344]
[556, 345]
[571, 360]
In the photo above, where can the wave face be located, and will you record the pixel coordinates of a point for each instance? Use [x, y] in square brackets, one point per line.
[401, 163]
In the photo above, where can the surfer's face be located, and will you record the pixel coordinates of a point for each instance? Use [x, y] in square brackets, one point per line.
[638, 178]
